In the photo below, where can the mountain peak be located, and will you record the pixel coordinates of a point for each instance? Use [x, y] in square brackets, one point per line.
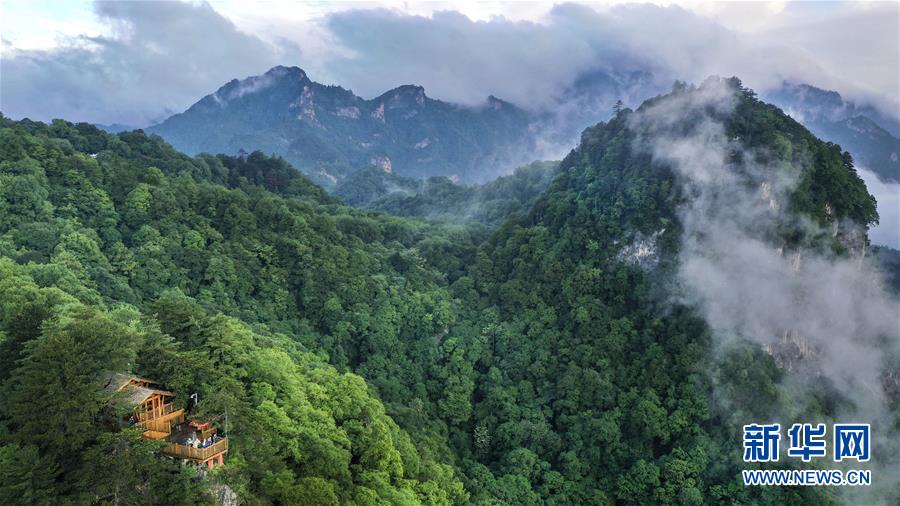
[316, 125]
[404, 95]
[236, 89]
[408, 88]
[495, 102]
[282, 71]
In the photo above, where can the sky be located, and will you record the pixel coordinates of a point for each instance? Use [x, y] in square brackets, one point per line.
[137, 62]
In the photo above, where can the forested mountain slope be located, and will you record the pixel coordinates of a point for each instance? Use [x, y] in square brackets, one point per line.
[596, 380]
[118, 253]
[365, 359]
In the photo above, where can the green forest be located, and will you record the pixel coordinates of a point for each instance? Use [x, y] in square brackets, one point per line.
[510, 358]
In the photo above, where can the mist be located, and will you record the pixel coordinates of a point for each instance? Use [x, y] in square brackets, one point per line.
[887, 232]
[158, 59]
[832, 313]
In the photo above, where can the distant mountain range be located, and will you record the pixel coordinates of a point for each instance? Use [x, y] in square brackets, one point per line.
[114, 128]
[328, 132]
[869, 135]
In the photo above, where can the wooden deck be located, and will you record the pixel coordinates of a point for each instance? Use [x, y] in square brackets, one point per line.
[197, 454]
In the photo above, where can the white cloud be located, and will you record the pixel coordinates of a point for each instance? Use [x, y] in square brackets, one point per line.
[887, 232]
[828, 319]
[460, 51]
[153, 59]
[459, 58]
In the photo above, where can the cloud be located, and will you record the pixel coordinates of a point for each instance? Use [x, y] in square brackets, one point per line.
[154, 58]
[822, 317]
[455, 58]
[887, 232]
[859, 45]
[158, 58]
[528, 62]
[461, 60]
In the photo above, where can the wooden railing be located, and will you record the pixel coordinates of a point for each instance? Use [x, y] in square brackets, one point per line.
[165, 422]
[159, 425]
[187, 452]
[143, 416]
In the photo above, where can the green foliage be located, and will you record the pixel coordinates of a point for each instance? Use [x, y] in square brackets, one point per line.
[588, 375]
[368, 359]
[128, 258]
[25, 477]
[857, 129]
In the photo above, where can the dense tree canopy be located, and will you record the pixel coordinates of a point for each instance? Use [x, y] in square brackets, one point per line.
[120, 254]
[370, 359]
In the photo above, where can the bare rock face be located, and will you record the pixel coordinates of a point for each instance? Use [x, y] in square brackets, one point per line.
[642, 251]
[793, 352]
[348, 112]
[382, 162]
[307, 106]
[224, 495]
[378, 113]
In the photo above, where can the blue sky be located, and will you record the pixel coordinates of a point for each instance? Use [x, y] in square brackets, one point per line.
[136, 62]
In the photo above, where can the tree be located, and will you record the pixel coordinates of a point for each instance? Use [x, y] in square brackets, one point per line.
[26, 478]
[21, 328]
[54, 395]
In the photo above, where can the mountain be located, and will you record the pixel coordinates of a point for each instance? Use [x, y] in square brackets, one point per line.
[592, 97]
[829, 104]
[602, 347]
[866, 133]
[889, 259]
[642, 263]
[328, 132]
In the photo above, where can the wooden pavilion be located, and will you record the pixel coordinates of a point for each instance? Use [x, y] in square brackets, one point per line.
[154, 410]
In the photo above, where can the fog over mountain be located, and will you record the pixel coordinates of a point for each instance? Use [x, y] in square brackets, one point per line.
[820, 315]
[329, 132]
[137, 62]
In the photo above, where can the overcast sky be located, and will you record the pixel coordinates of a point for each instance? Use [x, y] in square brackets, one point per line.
[137, 62]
